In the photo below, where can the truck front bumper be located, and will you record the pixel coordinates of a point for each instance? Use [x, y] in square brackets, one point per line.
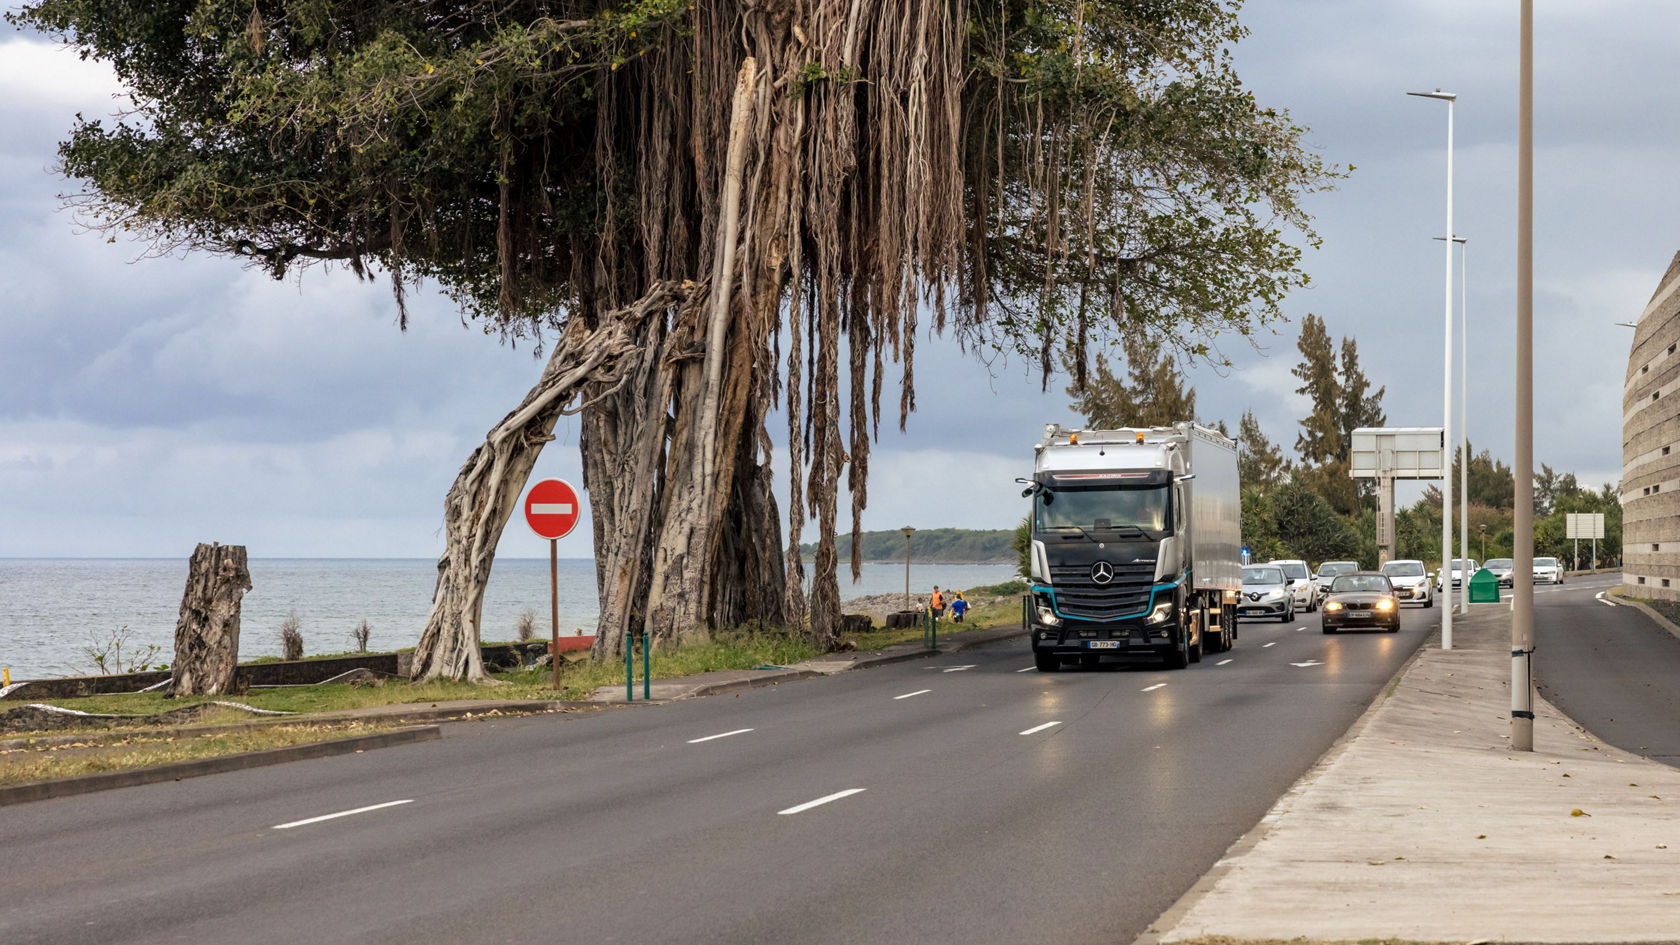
[1091, 639]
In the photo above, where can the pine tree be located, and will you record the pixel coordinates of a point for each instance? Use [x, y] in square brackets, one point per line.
[1153, 393]
[1260, 462]
[1359, 407]
[1321, 431]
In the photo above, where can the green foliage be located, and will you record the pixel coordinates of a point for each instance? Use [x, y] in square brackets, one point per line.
[948, 545]
[1260, 463]
[1021, 543]
[1153, 394]
[1308, 528]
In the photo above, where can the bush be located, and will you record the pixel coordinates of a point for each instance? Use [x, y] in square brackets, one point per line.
[291, 637]
[358, 636]
[107, 654]
[526, 626]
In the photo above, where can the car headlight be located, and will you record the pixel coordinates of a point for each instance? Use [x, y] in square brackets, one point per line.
[1163, 611]
[1333, 605]
[1273, 595]
[1385, 604]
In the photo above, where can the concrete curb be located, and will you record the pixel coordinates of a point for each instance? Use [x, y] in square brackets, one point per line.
[87, 784]
[1204, 886]
[1648, 611]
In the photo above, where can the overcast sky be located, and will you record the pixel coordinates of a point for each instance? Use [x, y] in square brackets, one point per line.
[148, 404]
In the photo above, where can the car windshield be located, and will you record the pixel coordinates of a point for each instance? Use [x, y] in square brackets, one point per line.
[1360, 582]
[1103, 509]
[1458, 564]
[1333, 568]
[1294, 570]
[1500, 564]
[1545, 562]
[1403, 569]
[1262, 576]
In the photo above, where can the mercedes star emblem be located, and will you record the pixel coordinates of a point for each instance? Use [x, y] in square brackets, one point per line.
[1102, 572]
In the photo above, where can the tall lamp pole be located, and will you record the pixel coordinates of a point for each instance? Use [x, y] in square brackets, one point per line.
[1464, 411]
[1522, 583]
[908, 531]
[1447, 439]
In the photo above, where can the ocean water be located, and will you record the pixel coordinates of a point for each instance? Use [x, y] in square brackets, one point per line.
[53, 609]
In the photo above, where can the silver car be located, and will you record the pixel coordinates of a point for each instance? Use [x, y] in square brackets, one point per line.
[1501, 568]
[1548, 570]
[1411, 581]
[1265, 593]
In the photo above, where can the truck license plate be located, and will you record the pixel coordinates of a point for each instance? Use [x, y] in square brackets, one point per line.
[1103, 644]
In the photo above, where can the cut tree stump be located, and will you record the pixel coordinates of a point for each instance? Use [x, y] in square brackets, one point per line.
[207, 634]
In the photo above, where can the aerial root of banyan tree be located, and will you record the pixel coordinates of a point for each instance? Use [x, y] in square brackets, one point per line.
[487, 489]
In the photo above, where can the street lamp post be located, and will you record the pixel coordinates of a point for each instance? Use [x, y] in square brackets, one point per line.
[1446, 388]
[1522, 555]
[908, 531]
[1484, 543]
[1464, 411]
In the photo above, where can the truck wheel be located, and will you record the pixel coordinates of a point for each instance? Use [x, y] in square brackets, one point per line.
[1180, 656]
[1046, 662]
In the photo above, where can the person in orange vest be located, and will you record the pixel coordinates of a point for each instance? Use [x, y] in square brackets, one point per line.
[937, 603]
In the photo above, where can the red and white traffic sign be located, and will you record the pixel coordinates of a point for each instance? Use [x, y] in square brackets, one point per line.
[552, 508]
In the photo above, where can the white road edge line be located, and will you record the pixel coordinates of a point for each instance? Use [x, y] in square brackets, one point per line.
[342, 813]
[1027, 670]
[1152, 688]
[801, 808]
[739, 731]
[909, 694]
[1040, 728]
[1223, 662]
[1264, 645]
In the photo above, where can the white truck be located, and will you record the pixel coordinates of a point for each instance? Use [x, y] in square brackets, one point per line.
[1136, 545]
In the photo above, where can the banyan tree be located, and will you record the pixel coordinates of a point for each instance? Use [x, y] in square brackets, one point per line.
[702, 210]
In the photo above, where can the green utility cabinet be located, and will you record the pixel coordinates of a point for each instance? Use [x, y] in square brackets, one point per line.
[1484, 587]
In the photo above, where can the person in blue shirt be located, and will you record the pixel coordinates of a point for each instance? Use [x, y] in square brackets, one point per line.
[959, 606]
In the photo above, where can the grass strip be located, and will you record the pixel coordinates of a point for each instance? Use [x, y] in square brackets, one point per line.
[103, 752]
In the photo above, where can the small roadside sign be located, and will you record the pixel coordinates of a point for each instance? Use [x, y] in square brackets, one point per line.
[1484, 587]
[552, 508]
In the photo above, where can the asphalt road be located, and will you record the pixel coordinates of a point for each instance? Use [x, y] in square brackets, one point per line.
[989, 803]
[1610, 668]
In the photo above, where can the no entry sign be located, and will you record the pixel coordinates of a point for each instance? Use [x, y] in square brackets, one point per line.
[552, 508]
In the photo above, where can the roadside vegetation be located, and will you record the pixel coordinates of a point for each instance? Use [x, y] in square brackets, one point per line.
[23, 760]
[742, 648]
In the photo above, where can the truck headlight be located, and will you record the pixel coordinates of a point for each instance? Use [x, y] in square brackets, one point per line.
[1047, 613]
[1163, 611]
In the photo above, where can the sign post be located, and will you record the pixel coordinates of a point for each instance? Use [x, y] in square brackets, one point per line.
[1579, 525]
[552, 510]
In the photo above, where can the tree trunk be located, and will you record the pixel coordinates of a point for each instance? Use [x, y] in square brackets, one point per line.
[488, 487]
[207, 633]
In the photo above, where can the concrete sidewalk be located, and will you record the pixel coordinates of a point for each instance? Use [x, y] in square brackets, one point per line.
[1421, 824]
[711, 684]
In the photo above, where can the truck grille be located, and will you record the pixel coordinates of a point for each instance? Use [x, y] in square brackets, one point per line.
[1126, 595]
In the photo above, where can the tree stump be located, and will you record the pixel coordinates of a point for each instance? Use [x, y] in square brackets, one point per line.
[207, 633]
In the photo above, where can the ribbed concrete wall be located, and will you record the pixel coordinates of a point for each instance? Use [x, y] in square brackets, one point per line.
[1651, 447]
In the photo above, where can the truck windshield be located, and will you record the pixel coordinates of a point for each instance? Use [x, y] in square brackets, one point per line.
[1126, 508]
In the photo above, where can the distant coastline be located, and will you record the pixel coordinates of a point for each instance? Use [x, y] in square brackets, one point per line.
[930, 545]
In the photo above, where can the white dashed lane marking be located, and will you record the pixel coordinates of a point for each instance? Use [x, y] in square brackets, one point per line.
[1154, 687]
[801, 808]
[739, 731]
[342, 813]
[1039, 728]
[909, 694]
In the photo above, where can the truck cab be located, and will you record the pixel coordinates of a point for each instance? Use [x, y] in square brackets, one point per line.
[1117, 534]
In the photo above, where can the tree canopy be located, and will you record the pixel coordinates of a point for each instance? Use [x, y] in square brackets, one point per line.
[743, 201]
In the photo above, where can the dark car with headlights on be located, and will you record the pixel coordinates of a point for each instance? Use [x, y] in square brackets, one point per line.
[1361, 599]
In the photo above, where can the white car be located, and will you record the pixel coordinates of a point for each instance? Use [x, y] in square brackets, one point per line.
[1328, 571]
[1302, 589]
[1460, 573]
[1411, 581]
[1548, 570]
